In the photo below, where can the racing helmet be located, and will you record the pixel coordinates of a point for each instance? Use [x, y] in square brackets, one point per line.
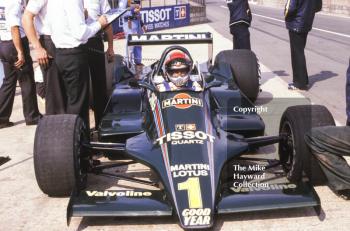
[177, 67]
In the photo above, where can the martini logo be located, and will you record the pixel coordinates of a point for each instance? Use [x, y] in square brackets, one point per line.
[169, 37]
[182, 101]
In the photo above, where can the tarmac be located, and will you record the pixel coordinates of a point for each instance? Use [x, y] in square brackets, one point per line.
[25, 207]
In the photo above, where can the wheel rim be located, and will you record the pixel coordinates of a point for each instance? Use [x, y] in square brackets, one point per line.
[287, 147]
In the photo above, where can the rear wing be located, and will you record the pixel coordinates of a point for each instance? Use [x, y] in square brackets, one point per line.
[172, 39]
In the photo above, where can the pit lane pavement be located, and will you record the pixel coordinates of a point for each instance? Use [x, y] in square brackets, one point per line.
[25, 207]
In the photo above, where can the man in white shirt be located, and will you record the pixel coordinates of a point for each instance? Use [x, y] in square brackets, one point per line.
[70, 33]
[45, 52]
[96, 57]
[18, 65]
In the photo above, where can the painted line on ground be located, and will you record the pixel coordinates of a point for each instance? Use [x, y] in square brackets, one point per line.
[314, 28]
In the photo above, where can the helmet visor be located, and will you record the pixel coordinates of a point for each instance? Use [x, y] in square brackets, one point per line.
[175, 72]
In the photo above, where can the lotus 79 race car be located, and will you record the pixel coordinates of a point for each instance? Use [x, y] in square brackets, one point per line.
[196, 145]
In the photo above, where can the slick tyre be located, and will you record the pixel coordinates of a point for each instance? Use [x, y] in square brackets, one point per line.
[245, 68]
[59, 160]
[294, 154]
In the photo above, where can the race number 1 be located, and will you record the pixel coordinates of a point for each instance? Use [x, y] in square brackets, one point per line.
[193, 192]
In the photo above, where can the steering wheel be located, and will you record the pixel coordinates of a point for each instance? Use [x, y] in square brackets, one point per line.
[166, 52]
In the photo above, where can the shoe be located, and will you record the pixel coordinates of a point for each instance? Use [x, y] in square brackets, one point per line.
[34, 122]
[6, 124]
[345, 194]
[292, 87]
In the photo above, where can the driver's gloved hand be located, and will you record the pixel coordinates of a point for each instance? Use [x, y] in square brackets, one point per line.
[133, 83]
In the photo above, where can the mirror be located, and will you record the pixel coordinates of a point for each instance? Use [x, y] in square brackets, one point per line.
[135, 83]
[214, 83]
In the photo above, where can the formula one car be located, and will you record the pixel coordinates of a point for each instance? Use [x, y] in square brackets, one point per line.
[194, 142]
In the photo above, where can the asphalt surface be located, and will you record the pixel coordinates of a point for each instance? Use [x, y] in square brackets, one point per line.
[24, 207]
[327, 50]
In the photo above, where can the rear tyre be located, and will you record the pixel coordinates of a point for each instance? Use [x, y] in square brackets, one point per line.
[245, 68]
[294, 154]
[60, 162]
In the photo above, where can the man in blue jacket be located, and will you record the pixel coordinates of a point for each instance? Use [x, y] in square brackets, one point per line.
[299, 16]
[240, 19]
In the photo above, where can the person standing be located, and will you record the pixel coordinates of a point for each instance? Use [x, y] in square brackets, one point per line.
[348, 95]
[299, 17]
[240, 19]
[133, 24]
[70, 33]
[96, 57]
[18, 65]
[45, 51]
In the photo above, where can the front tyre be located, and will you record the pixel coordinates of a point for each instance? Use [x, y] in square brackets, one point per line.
[294, 154]
[60, 162]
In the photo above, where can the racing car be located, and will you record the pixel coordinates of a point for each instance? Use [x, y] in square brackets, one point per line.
[198, 147]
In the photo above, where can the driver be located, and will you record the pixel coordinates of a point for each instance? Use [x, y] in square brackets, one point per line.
[177, 68]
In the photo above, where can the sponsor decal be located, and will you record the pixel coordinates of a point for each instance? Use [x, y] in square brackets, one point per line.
[256, 186]
[127, 193]
[160, 17]
[195, 217]
[159, 37]
[185, 137]
[152, 101]
[155, 15]
[185, 127]
[180, 12]
[183, 170]
[182, 101]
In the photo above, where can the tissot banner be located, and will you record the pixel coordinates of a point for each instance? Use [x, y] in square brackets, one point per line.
[157, 18]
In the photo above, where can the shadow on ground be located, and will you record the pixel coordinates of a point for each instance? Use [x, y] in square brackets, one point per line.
[323, 75]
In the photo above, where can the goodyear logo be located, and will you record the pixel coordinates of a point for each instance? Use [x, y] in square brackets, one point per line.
[196, 217]
[182, 101]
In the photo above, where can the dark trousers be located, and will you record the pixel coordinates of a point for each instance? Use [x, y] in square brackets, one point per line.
[54, 87]
[348, 95]
[25, 76]
[97, 67]
[73, 67]
[329, 144]
[241, 36]
[297, 46]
